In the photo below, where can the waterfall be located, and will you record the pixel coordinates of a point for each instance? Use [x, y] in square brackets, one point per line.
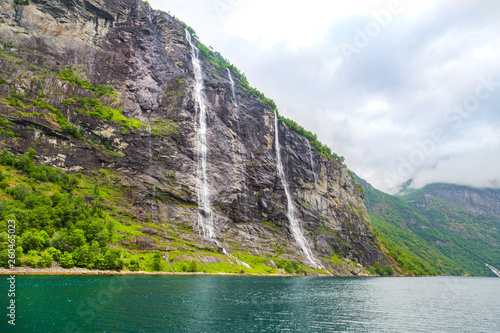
[494, 270]
[232, 86]
[312, 164]
[238, 261]
[205, 220]
[290, 211]
[150, 149]
[153, 205]
[241, 160]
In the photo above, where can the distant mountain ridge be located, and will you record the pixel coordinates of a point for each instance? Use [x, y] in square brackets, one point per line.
[453, 228]
[474, 200]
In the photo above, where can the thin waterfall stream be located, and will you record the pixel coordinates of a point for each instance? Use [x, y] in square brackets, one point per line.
[205, 219]
[311, 158]
[240, 146]
[494, 270]
[290, 211]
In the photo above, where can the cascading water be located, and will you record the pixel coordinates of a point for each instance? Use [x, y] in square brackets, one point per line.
[494, 270]
[290, 211]
[150, 149]
[241, 160]
[205, 220]
[312, 164]
[153, 205]
[232, 86]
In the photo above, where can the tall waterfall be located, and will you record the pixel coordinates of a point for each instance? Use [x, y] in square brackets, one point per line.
[290, 211]
[241, 161]
[205, 220]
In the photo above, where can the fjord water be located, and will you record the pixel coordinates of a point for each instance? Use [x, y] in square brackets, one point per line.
[253, 304]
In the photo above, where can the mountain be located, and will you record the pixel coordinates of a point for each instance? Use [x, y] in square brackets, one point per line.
[468, 217]
[439, 229]
[128, 143]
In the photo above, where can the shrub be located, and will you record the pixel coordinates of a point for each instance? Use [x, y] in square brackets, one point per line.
[32, 240]
[192, 267]
[55, 253]
[31, 259]
[22, 2]
[46, 260]
[133, 265]
[157, 261]
[67, 260]
[76, 238]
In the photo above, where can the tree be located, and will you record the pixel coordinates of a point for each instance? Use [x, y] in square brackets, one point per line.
[76, 238]
[157, 261]
[32, 240]
[192, 266]
[388, 270]
[31, 259]
[46, 260]
[103, 237]
[82, 256]
[67, 260]
[20, 192]
[133, 265]
[55, 253]
[60, 241]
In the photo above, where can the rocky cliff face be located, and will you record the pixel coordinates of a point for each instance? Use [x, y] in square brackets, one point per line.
[473, 200]
[60, 58]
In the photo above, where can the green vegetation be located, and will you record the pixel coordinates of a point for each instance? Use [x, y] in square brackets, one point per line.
[313, 139]
[94, 108]
[73, 221]
[377, 269]
[66, 126]
[51, 219]
[22, 2]
[165, 127]
[390, 216]
[69, 74]
[468, 238]
[424, 241]
[188, 28]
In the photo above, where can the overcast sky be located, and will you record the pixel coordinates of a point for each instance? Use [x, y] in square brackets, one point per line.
[403, 89]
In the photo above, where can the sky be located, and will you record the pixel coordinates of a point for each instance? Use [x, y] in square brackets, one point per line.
[402, 89]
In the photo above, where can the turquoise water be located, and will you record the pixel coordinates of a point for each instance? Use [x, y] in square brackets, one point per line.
[252, 304]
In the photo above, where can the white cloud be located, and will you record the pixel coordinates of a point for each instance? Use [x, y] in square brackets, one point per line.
[484, 53]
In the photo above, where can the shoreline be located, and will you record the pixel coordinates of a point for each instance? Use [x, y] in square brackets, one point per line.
[81, 271]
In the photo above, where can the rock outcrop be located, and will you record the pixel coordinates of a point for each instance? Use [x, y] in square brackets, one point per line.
[66, 53]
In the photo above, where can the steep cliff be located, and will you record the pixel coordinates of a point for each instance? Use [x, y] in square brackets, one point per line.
[111, 85]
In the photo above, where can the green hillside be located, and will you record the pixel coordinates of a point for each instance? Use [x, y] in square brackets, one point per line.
[427, 235]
